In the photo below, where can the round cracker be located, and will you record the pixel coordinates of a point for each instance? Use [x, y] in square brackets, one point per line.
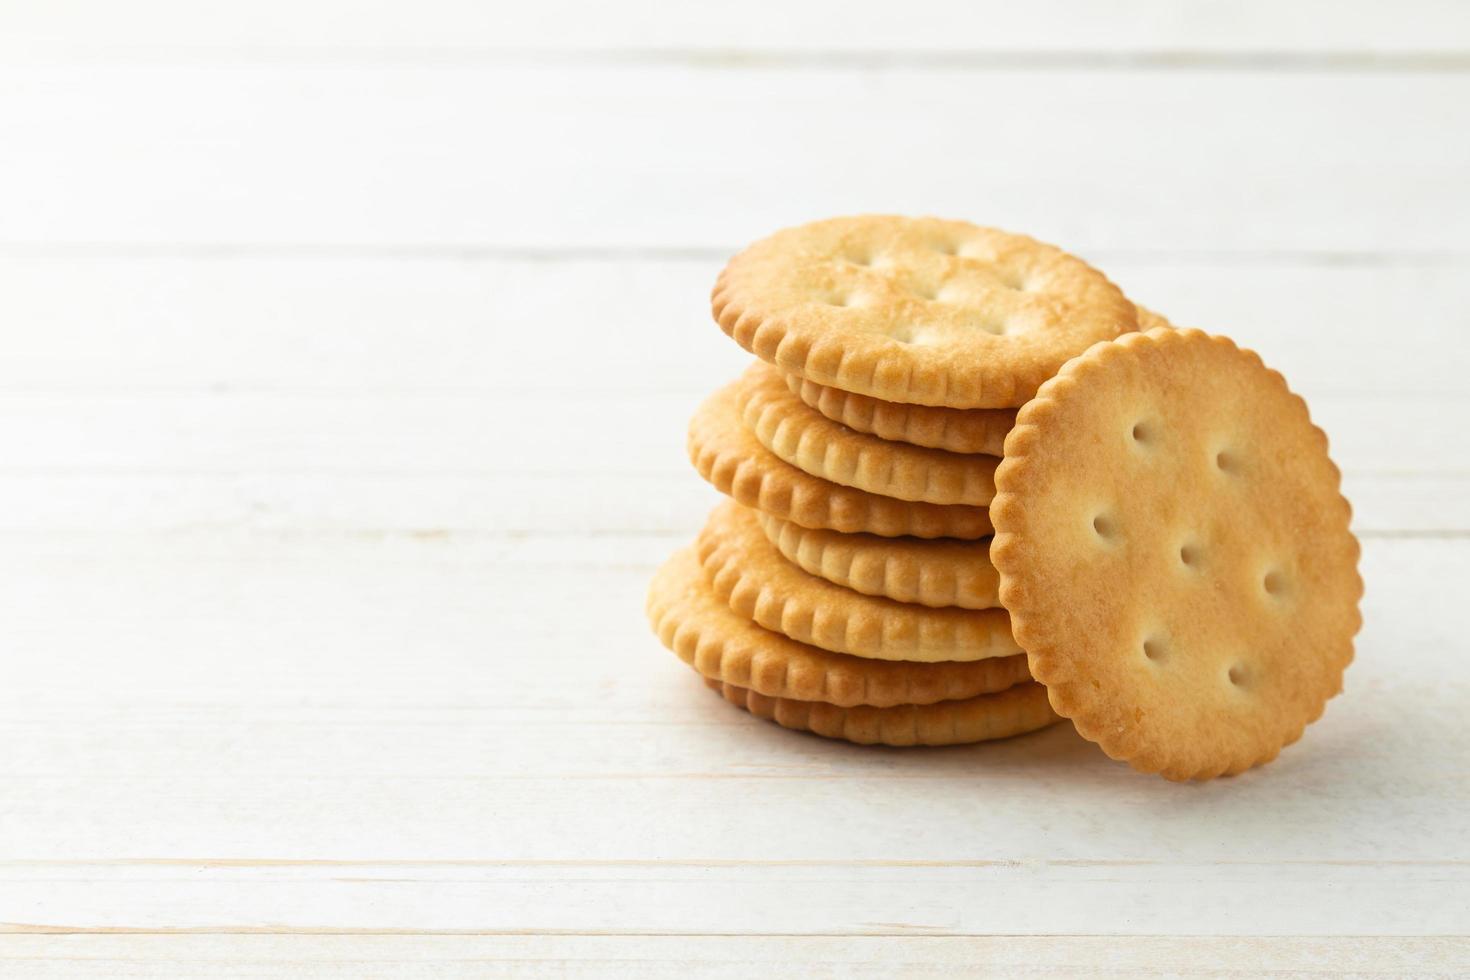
[917, 310]
[958, 430]
[722, 646]
[930, 573]
[727, 455]
[747, 571]
[813, 443]
[1175, 553]
[1015, 711]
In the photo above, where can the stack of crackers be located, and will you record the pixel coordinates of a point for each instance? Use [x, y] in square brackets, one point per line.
[975, 490]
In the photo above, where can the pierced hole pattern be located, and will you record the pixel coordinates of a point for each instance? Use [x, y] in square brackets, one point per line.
[1013, 280]
[1274, 582]
[979, 274]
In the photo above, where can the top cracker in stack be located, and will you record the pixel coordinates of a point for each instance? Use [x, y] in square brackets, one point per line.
[917, 311]
[1171, 549]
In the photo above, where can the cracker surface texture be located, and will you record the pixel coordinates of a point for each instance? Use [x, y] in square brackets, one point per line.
[721, 645]
[917, 310]
[1149, 320]
[750, 574]
[1175, 553]
[813, 443]
[726, 454]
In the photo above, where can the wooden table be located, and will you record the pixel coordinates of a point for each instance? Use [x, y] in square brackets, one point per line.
[346, 360]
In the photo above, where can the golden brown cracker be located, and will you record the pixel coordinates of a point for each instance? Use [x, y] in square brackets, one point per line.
[1149, 320]
[813, 443]
[1176, 554]
[747, 571]
[917, 310]
[727, 455]
[724, 646]
[958, 430]
[1015, 711]
[931, 573]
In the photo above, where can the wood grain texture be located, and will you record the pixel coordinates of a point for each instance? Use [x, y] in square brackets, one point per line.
[576, 777]
[639, 957]
[497, 155]
[445, 29]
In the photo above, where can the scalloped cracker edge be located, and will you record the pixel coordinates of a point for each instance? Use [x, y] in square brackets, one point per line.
[1015, 711]
[930, 573]
[814, 444]
[750, 574]
[703, 631]
[726, 454]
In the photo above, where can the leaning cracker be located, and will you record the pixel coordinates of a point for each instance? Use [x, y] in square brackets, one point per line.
[1020, 709]
[1175, 553]
[723, 646]
[917, 309]
[813, 443]
[728, 456]
[930, 573]
[959, 430]
[749, 573]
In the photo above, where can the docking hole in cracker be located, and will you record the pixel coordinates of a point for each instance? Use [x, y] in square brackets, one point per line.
[1175, 553]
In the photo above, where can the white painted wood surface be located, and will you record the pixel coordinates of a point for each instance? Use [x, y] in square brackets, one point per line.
[345, 356]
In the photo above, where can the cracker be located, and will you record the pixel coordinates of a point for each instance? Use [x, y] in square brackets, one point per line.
[1020, 709]
[747, 571]
[917, 310]
[723, 646]
[728, 456]
[1175, 553]
[813, 443]
[930, 573]
[1149, 320]
[958, 430]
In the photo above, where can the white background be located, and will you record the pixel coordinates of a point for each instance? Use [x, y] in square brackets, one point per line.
[345, 357]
